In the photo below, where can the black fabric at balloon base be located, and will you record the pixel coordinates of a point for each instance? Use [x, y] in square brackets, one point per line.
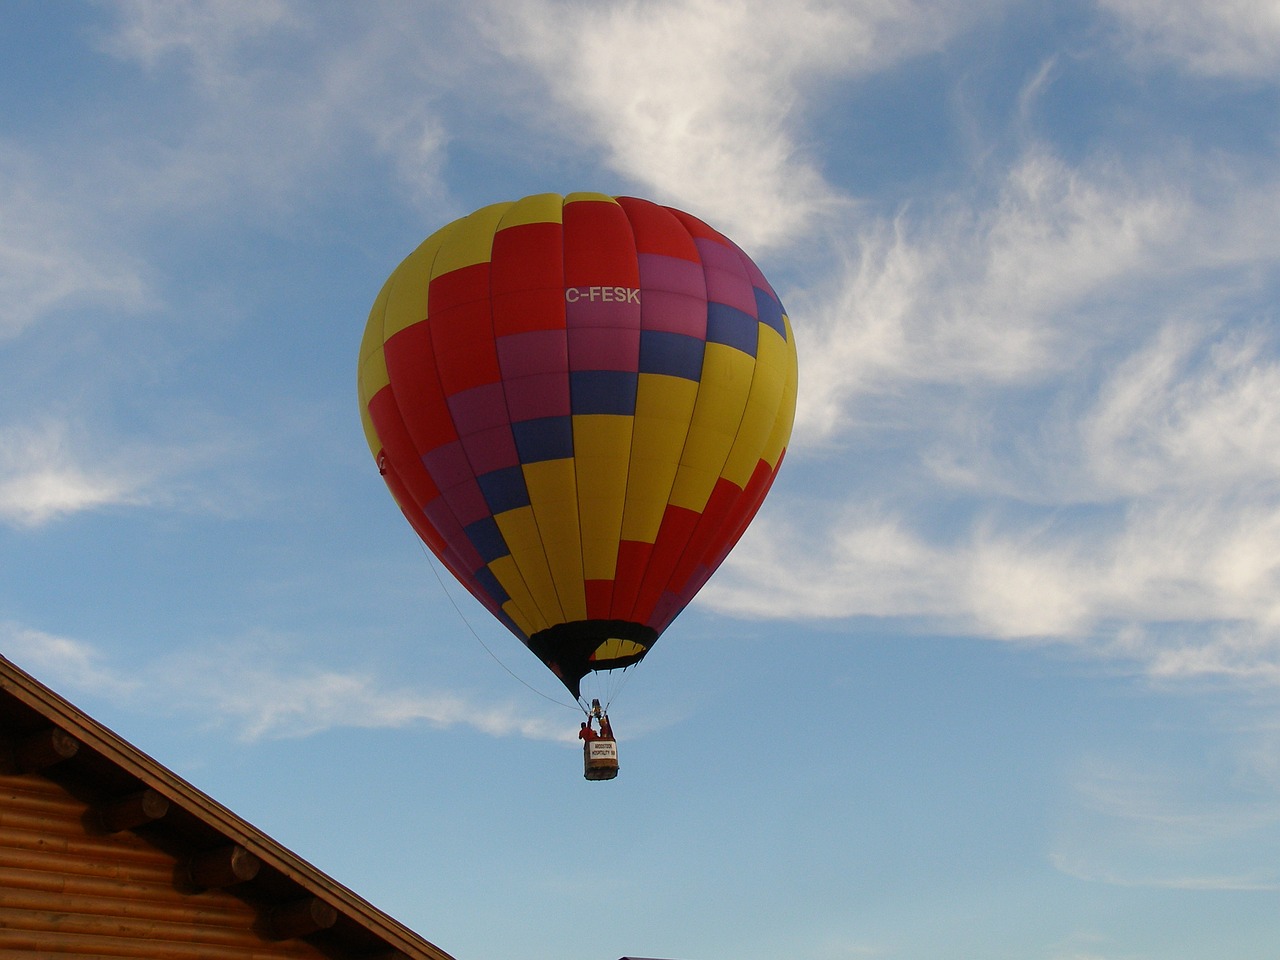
[567, 648]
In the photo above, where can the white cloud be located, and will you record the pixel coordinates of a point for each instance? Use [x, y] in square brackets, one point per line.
[261, 699]
[1219, 38]
[43, 476]
[1163, 564]
[236, 135]
[992, 297]
[203, 33]
[866, 564]
[1004, 585]
[1171, 419]
[1234, 652]
[229, 133]
[1177, 877]
[1146, 526]
[701, 100]
[277, 97]
[36, 496]
[1053, 418]
[71, 662]
[50, 257]
[52, 468]
[256, 690]
[1134, 821]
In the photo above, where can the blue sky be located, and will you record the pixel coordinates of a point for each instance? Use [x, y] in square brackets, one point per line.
[995, 675]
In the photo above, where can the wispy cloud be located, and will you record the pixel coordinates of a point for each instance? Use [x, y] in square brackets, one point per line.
[1139, 823]
[1065, 404]
[1179, 577]
[239, 139]
[43, 476]
[1225, 38]
[54, 467]
[701, 101]
[203, 34]
[264, 698]
[262, 133]
[1082, 869]
[51, 257]
[979, 296]
[1189, 412]
[256, 690]
[75, 664]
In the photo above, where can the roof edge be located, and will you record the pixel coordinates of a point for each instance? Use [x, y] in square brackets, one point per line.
[64, 714]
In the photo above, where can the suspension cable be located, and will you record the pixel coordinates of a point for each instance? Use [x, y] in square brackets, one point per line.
[467, 623]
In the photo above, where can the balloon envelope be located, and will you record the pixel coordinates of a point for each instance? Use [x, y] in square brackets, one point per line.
[579, 404]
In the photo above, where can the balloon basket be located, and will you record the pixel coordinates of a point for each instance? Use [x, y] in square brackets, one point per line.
[600, 759]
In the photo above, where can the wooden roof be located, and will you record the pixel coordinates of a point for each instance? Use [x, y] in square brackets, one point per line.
[105, 852]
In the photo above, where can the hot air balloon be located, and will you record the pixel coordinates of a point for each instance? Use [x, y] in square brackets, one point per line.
[579, 404]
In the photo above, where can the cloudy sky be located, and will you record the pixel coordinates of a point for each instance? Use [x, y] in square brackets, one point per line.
[996, 672]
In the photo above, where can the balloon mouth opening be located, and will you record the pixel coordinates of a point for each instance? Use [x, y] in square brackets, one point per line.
[572, 650]
[616, 648]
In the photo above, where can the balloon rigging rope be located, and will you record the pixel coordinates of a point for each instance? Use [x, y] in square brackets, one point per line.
[627, 673]
[467, 623]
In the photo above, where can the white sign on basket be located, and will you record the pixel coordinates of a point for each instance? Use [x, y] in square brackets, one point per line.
[602, 749]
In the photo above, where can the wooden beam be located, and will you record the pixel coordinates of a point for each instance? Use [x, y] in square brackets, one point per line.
[44, 749]
[79, 898]
[222, 867]
[132, 810]
[21, 939]
[299, 918]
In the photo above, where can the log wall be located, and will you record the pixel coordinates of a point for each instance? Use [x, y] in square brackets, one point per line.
[69, 888]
